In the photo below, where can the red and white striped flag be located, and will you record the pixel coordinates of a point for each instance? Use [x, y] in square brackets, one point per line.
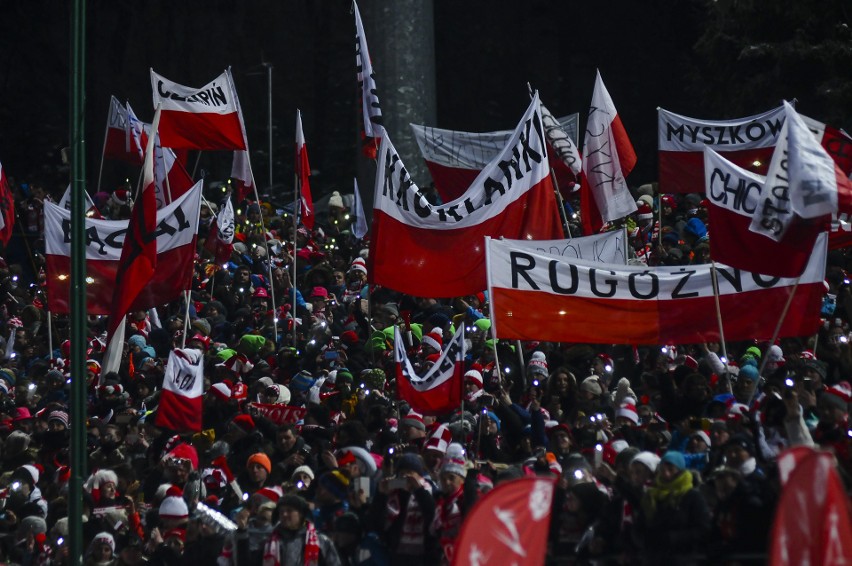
[303, 171]
[608, 158]
[241, 171]
[7, 208]
[440, 390]
[183, 386]
[207, 118]
[370, 107]
[120, 144]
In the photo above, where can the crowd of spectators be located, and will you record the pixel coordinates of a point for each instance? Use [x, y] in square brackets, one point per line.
[662, 453]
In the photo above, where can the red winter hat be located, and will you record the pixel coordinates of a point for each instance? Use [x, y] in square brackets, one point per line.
[245, 422]
[221, 391]
[435, 339]
[839, 395]
[644, 212]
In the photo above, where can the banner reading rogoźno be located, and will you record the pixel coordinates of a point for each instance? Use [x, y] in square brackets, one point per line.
[747, 142]
[455, 158]
[608, 247]
[177, 227]
[436, 251]
[541, 297]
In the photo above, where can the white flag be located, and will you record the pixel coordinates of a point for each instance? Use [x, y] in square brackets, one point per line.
[359, 229]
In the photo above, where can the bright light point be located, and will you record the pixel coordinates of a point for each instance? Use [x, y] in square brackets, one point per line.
[756, 163]
[275, 320]
[245, 496]
[346, 217]
[608, 368]
[789, 382]
[508, 370]
[599, 447]
[578, 474]
[312, 342]
[90, 280]
[563, 312]
[62, 277]
[31, 386]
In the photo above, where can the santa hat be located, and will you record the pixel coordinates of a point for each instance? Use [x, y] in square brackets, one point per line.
[839, 395]
[120, 197]
[272, 494]
[214, 479]
[184, 452]
[807, 355]
[245, 422]
[414, 420]
[690, 362]
[33, 472]
[703, 436]
[104, 538]
[628, 411]
[474, 376]
[435, 339]
[439, 439]
[221, 391]
[648, 459]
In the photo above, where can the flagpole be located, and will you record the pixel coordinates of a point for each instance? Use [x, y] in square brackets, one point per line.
[626, 242]
[265, 245]
[775, 334]
[198, 158]
[561, 203]
[185, 318]
[297, 193]
[103, 150]
[715, 279]
[50, 335]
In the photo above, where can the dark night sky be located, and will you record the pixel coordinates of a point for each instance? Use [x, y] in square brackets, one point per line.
[485, 54]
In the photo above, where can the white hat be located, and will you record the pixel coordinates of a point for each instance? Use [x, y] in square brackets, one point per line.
[703, 436]
[648, 459]
[335, 200]
[174, 507]
[628, 411]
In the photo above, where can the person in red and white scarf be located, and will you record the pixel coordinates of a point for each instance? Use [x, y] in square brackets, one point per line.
[295, 541]
[459, 493]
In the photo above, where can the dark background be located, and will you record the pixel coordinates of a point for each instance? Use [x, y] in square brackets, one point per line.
[701, 58]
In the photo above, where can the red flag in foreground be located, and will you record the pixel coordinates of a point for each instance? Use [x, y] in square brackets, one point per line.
[436, 251]
[199, 118]
[509, 525]
[440, 390]
[608, 158]
[735, 194]
[177, 229]
[550, 298]
[812, 524]
[183, 385]
[7, 208]
[303, 171]
[456, 158]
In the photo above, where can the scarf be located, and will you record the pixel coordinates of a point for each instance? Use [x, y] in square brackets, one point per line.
[447, 522]
[412, 535]
[272, 548]
[669, 494]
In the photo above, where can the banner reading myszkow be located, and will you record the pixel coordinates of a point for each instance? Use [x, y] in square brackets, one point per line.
[747, 142]
[455, 158]
[609, 247]
[541, 297]
[440, 390]
[177, 227]
[436, 251]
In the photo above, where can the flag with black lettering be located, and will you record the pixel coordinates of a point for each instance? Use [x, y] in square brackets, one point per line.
[220, 239]
[543, 297]
[456, 158]
[430, 250]
[439, 391]
[179, 409]
[207, 118]
[608, 157]
[177, 229]
[746, 142]
[735, 195]
[91, 210]
[303, 172]
[7, 208]
[371, 110]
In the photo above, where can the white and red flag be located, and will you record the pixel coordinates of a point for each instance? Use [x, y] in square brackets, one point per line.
[220, 239]
[456, 158]
[439, 391]
[734, 194]
[608, 158]
[119, 142]
[7, 208]
[803, 180]
[91, 210]
[241, 171]
[303, 172]
[179, 409]
[371, 110]
[177, 229]
[544, 297]
[359, 227]
[436, 251]
[811, 524]
[747, 142]
[517, 513]
[206, 118]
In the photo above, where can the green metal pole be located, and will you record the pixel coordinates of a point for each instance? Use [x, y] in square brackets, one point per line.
[78, 279]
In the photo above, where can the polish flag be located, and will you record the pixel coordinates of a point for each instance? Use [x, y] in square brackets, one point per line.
[303, 171]
[7, 208]
[120, 143]
[241, 171]
[425, 250]
[91, 210]
[608, 157]
[439, 391]
[220, 240]
[371, 110]
[735, 194]
[206, 118]
[183, 386]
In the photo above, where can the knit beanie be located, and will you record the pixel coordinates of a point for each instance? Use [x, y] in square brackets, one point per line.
[336, 483]
[674, 458]
[262, 459]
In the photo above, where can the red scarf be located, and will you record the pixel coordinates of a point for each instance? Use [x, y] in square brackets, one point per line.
[272, 548]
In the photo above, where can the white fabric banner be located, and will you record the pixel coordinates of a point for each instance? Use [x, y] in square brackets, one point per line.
[608, 247]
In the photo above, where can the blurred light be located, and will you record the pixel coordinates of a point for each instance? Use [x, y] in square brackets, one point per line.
[789, 382]
[245, 496]
[563, 312]
[599, 447]
[90, 280]
[62, 277]
[756, 163]
[578, 474]
[346, 217]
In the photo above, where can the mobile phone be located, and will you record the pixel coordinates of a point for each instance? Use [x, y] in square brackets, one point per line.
[397, 483]
[331, 355]
[362, 484]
